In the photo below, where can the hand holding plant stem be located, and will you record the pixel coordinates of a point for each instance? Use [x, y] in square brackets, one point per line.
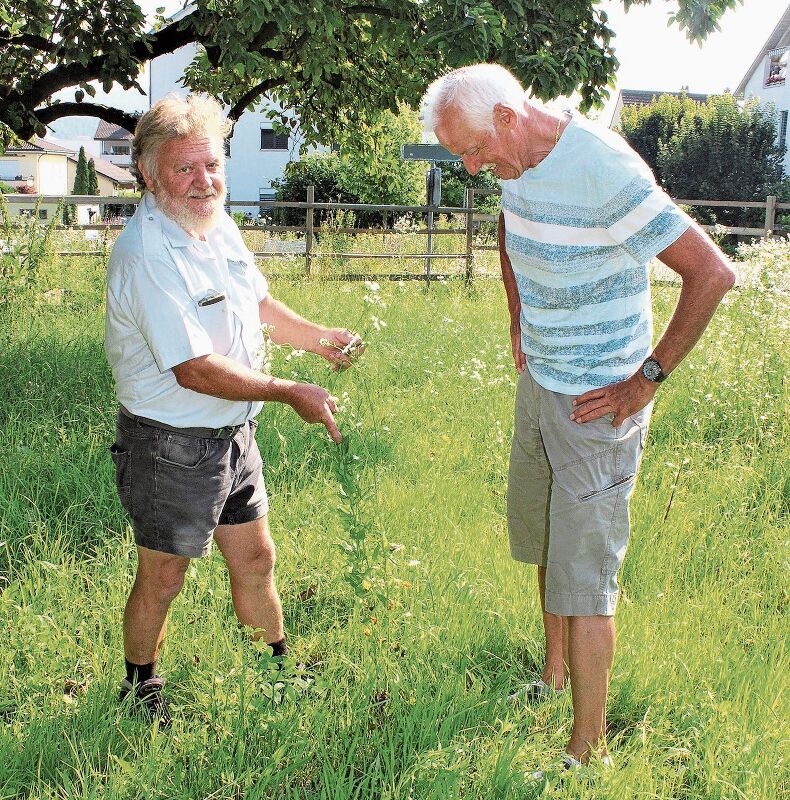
[340, 347]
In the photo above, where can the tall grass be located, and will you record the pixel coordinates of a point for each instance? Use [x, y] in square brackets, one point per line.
[408, 697]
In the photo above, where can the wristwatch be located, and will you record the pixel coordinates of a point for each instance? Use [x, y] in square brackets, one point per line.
[651, 370]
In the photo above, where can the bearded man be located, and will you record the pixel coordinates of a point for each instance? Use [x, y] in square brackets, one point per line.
[183, 336]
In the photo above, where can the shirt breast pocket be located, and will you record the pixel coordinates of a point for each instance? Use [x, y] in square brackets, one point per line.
[216, 319]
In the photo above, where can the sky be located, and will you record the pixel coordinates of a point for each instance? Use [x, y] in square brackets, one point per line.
[654, 56]
[651, 55]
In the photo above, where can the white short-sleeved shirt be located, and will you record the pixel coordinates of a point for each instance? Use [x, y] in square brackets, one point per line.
[171, 298]
[580, 229]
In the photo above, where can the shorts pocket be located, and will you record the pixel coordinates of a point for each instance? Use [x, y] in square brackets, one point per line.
[614, 485]
[187, 452]
[122, 459]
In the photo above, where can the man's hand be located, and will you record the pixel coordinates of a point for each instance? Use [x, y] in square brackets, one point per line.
[519, 359]
[314, 404]
[340, 347]
[621, 399]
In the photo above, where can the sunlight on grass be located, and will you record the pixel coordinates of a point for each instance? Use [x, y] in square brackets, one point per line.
[411, 670]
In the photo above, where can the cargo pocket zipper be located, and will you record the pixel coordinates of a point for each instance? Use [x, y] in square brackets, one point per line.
[620, 482]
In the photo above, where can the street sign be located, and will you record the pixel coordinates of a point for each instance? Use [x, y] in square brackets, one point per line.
[426, 152]
[433, 186]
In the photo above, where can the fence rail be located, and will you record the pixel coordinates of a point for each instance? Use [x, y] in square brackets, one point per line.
[308, 251]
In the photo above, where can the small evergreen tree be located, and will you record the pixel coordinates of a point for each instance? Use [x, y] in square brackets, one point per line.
[81, 176]
[93, 178]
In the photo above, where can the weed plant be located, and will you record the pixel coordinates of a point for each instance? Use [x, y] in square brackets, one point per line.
[411, 672]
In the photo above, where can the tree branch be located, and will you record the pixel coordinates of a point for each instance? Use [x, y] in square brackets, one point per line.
[145, 48]
[107, 113]
[238, 108]
[28, 40]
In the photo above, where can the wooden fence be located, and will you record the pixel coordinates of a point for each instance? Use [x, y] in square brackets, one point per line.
[306, 247]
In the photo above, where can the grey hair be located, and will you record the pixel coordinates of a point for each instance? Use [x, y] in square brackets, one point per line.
[174, 117]
[474, 90]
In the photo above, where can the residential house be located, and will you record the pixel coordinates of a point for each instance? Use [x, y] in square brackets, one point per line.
[255, 154]
[639, 97]
[116, 143]
[40, 168]
[766, 78]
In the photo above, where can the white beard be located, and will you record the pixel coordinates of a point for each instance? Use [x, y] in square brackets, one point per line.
[191, 221]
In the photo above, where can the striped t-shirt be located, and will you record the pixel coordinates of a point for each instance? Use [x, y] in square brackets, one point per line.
[580, 229]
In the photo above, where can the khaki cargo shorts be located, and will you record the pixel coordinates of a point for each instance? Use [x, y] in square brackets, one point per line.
[568, 491]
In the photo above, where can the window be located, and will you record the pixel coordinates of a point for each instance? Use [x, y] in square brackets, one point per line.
[777, 68]
[42, 213]
[782, 129]
[266, 193]
[110, 149]
[273, 141]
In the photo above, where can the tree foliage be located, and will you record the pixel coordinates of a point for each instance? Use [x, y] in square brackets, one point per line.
[371, 167]
[649, 127]
[333, 61]
[455, 180]
[81, 180]
[716, 150]
[364, 167]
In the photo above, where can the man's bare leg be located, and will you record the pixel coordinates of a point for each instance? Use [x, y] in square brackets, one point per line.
[555, 667]
[160, 577]
[591, 646]
[249, 552]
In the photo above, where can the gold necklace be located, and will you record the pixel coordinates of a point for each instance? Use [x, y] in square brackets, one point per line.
[541, 154]
[557, 132]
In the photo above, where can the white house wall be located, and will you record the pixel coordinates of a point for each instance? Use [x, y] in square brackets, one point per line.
[52, 175]
[9, 169]
[249, 169]
[778, 95]
[24, 164]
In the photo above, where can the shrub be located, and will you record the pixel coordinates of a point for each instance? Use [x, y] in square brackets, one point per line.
[25, 246]
[321, 170]
[718, 150]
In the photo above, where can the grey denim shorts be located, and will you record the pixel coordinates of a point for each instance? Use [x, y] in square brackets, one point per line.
[177, 488]
[568, 490]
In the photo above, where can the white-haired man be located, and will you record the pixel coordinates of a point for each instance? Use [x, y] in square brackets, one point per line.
[581, 218]
[185, 308]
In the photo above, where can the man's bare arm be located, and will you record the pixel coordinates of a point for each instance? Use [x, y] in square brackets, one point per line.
[513, 299]
[290, 328]
[707, 277]
[223, 377]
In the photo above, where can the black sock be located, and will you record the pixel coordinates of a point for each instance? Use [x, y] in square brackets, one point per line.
[279, 648]
[137, 673]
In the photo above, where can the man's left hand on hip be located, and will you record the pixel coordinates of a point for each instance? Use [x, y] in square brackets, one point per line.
[622, 399]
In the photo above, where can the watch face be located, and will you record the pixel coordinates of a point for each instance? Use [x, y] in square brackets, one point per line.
[651, 370]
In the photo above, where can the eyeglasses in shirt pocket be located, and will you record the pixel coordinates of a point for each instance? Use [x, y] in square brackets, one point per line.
[216, 319]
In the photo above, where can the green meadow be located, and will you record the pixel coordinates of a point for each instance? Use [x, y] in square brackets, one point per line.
[398, 589]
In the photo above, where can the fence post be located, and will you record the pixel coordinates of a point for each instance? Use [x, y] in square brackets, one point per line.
[469, 202]
[308, 233]
[770, 215]
[428, 260]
